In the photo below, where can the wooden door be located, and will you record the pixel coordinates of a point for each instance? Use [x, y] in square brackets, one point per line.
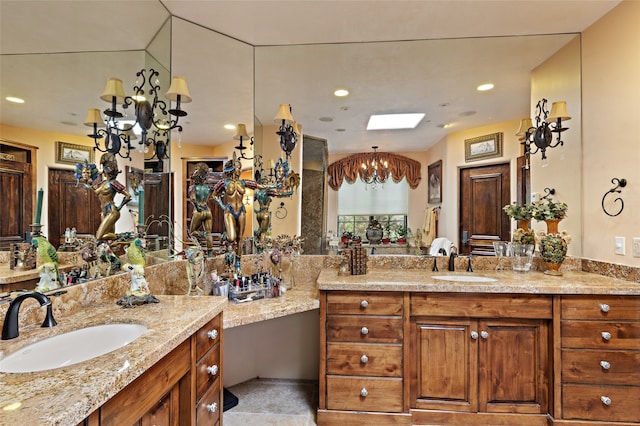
[16, 193]
[158, 202]
[484, 191]
[444, 364]
[70, 205]
[514, 364]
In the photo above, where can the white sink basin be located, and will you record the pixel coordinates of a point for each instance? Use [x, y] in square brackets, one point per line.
[465, 278]
[71, 348]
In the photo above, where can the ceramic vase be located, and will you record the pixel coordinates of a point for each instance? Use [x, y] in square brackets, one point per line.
[523, 233]
[553, 249]
[552, 226]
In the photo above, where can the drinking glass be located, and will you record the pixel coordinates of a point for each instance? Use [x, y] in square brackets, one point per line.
[501, 249]
[521, 256]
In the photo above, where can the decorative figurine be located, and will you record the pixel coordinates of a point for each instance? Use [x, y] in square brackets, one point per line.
[136, 253]
[195, 270]
[47, 253]
[138, 293]
[199, 194]
[229, 259]
[107, 256]
[48, 277]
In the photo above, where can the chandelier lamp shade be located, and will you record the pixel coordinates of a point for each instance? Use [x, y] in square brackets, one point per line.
[242, 135]
[288, 130]
[154, 117]
[539, 137]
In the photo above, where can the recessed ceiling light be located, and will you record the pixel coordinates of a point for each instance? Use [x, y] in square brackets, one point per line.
[341, 130]
[15, 100]
[341, 93]
[467, 113]
[485, 87]
[229, 126]
[394, 121]
[445, 125]
[326, 119]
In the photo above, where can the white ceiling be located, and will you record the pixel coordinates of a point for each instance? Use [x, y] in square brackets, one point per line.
[293, 64]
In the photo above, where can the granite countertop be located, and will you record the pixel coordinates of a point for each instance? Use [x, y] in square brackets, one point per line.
[65, 396]
[10, 276]
[571, 282]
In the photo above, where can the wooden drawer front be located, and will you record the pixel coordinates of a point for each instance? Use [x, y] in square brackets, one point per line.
[586, 402]
[382, 394]
[601, 307]
[368, 303]
[209, 407]
[605, 367]
[594, 334]
[364, 359]
[481, 305]
[208, 336]
[207, 370]
[361, 328]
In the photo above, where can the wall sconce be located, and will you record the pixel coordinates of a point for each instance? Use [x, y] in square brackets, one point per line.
[288, 130]
[154, 118]
[375, 170]
[241, 135]
[541, 135]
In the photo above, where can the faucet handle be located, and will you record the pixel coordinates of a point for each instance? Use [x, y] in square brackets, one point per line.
[49, 320]
[469, 268]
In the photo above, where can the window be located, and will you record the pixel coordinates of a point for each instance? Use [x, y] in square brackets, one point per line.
[357, 224]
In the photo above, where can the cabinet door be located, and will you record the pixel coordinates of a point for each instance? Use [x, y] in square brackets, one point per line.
[514, 369]
[444, 364]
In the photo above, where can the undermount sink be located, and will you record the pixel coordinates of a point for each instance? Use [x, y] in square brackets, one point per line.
[466, 278]
[71, 348]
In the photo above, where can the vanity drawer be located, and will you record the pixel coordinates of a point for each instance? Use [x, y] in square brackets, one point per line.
[208, 336]
[364, 394]
[210, 407]
[365, 359]
[590, 403]
[600, 334]
[481, 305]
[362, 328]
[362, 302]
[207, 370]
[595, 366]
[601, 307]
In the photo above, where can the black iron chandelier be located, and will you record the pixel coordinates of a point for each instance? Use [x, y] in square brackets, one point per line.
[547, 123]
[375, 169]
[155, 118]
[288, 130]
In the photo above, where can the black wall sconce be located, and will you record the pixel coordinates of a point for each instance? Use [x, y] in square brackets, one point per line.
[619, 183]
[541, 135]
[288, 130]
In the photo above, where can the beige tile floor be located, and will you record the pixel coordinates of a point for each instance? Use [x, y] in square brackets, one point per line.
[265, 402]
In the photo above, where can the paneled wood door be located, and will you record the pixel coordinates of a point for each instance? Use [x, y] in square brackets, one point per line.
[70, 205]
[484, 191]
[158, 202]
[17, 199]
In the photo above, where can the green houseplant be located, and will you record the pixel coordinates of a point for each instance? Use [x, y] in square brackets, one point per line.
[522, 214]
[547, 209]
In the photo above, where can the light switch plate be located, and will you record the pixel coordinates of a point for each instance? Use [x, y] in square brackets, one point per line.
[619, 248]
[636, 246]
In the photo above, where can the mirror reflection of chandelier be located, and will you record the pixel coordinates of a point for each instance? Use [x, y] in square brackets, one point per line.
[375, 169]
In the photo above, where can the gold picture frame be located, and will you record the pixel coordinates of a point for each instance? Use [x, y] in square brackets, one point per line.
[434, 180]
[67, 153]
[483, 147]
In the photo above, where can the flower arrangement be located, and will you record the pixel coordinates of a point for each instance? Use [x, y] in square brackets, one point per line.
[519, 211]
[523, 236]
[547, 209]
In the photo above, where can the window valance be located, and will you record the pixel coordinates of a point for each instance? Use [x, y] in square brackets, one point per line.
[350, 168]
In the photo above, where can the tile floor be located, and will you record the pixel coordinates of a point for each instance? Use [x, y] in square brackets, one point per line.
[265, 402]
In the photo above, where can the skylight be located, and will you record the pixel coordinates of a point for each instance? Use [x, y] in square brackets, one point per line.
[394, 121]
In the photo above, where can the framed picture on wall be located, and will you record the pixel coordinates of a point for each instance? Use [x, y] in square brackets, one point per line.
[67, 153]
[434, 172]
[483, 147]
[134, 183]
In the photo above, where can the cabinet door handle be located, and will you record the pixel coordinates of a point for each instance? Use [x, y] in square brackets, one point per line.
[212, 408]
[484, 334]
[364, 359]
[474, 335]
[606, 335]
[213, 370]
[364, 330]
[364, 392]
[364, 304]
[605, 365]
[605, 400]
[604, 307]
[212, 334]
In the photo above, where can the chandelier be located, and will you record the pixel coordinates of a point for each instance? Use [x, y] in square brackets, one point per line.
[154, 117]
[288, 130]
[241, 135]
[375, 169]
[542, 134]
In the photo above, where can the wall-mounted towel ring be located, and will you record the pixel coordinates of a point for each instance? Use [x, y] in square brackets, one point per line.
[619, 183]
[548, 193]
[281, 212]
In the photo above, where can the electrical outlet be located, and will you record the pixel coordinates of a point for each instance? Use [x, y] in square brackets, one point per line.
[636, 246]
[619, 248]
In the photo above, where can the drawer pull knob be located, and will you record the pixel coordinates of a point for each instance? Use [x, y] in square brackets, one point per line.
[213, 334]
[213, 370]
[606, 335]
[212, 408]
[605, 400]
[604, 307]
[364, 330]
[605, 365]
[364, 359]
[474, 335]
[364, 392]
[364, 304]
[484, 334]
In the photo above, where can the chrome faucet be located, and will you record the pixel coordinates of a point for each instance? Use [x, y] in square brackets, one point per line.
[453, 253]
[10, 326]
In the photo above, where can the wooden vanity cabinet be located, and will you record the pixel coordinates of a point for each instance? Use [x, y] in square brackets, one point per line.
[600, 359]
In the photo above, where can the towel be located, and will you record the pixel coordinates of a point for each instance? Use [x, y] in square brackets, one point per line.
[429, 226]
[440, 243]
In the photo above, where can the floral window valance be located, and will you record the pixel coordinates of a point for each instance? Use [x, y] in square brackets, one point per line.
[350, 168]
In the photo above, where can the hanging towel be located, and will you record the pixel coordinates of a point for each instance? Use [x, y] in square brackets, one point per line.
[429, 230]
[438, 245]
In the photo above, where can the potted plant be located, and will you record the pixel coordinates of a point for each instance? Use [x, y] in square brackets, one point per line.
[552, 212]
[388, 232]
[522, 214]
[401, 232]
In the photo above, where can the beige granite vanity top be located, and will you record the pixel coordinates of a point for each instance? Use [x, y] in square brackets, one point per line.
[65, 396]
[571, 282]
[10, 276]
